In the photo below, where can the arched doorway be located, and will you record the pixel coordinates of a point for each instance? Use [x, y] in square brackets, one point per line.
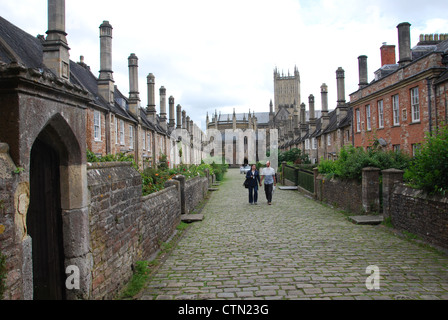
[44, 221]
[57, 218]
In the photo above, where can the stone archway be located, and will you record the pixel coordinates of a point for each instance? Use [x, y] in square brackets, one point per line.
[58, 212]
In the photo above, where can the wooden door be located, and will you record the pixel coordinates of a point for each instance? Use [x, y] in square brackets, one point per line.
[44, 221]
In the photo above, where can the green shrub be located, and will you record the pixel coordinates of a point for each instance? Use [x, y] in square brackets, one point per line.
[294, 156]
[429, 169]
[352, 160]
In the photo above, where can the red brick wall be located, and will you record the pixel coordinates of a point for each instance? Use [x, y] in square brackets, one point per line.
[401, 82]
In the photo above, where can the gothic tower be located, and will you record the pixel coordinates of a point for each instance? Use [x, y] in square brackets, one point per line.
[287, 90]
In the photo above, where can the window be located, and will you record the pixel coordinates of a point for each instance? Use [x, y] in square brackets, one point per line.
[307, 144]
[396, 148]
[116, 130]
[358, 120]
[97, 125]
[149, 142]
[380, 114]
[415, 148]
[144, 140]
[122, 132]
[369, 127]
[396, 110]
[328, 139]
[131, 137]
[415, 105]
[314, 141]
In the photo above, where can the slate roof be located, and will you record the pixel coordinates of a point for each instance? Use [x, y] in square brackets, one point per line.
[16, 44]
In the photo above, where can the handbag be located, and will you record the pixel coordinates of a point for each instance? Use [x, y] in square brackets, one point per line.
[246, 184]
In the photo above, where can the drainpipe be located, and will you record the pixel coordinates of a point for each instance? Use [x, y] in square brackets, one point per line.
[428, 81]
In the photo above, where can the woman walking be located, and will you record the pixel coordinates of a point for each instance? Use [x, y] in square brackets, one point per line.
[253, 179]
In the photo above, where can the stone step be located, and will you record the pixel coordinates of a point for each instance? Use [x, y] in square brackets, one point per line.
[213, 189]
[366, 220]
[190, 218]
[288, 188]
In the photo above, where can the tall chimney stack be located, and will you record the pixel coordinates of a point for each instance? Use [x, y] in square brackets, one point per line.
[324, 98]
[340, 78]
[179, 117]
[388, 54]
[363, 77]
[163, 117]
[172, 122]
[151, 108]
[404, 43]
[134, 95]
[55, 48]
[106, 85]
[184, 119]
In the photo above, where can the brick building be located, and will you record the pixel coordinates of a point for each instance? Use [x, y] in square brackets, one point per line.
[407, 99]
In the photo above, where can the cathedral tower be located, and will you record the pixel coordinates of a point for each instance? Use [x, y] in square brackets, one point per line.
[287, 90]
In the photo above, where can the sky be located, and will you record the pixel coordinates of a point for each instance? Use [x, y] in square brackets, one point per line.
[220, 55]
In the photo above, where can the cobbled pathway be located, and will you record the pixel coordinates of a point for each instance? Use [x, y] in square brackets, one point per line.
[294, 249]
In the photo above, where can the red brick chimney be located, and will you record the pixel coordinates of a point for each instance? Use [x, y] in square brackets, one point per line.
[388, 54]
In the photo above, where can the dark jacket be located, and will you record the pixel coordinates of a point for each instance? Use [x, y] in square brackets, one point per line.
[254, 179]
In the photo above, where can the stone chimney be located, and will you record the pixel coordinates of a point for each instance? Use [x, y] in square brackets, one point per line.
[56, 55]
[340, 78]
[303, 125]
[388, 54]
[363, 77]
[324, 98]
[151, 111]
[188, 124]
[184, 119]
[106, 87]
[134, 95]
[313, 119]
[172, 121]
[404, 43]
[163, 117]
[179, 117]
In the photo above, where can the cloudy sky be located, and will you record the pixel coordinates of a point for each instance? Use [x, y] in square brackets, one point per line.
[221, 54]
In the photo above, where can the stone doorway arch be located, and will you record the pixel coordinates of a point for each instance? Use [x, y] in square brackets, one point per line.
[57, 218]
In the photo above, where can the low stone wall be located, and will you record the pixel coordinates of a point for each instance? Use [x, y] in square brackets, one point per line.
[344, 194]
[114, 217]
[416, 212]
[161, 216]
[195, 191]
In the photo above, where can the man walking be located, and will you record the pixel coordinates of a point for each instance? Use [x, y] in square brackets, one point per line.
[268, 176]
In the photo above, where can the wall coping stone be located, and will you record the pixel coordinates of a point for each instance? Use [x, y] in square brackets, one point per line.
[403, 189]
[103, 165]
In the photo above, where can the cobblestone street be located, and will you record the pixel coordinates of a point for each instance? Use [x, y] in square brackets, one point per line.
[294, 249]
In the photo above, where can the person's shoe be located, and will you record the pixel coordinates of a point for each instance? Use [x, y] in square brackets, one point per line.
[269, 203]
[256, 204]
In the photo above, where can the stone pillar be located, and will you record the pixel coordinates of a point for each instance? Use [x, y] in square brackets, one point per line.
[390, 178]
[183, 203]
[184, 119]
[283, 172]
[316, 174]
[371, 190]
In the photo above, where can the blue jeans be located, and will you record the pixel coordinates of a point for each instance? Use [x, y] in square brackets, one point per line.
[253, 194]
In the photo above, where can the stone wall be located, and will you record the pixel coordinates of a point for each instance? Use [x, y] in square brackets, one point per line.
[344, 194]
[195, 191]
[115, 215]
[423, 215]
